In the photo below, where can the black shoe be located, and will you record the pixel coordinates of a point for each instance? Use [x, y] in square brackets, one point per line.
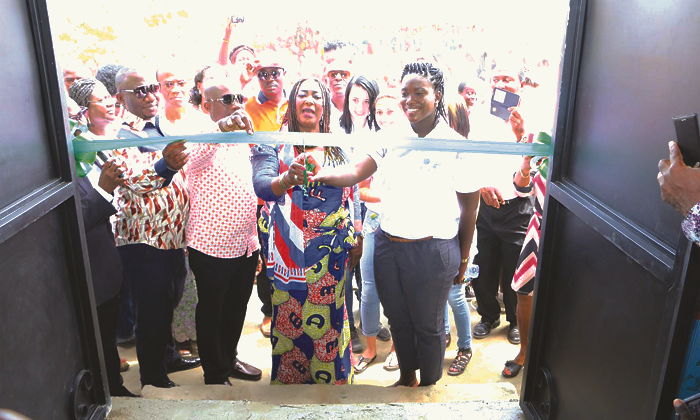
[448, 340]
[245, 371]
[165, 384]
[483, 328]
[384, 334]
[514, 334]
[121, 391]
[469, 293]
[357, 346]
[184, 363]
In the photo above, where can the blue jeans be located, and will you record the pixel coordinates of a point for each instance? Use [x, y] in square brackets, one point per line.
[460, 309]
[369, 307]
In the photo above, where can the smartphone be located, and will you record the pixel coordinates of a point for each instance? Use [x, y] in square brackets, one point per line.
[501, 100]
[237, 19]
[688, 138]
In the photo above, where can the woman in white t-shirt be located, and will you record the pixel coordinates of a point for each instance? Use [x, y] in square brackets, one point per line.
[427, 223]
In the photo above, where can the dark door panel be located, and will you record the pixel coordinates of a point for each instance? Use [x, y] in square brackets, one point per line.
[617, 285]
[51, 364]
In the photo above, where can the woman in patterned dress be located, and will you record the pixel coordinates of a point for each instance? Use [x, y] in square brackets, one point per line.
[524, 277]
[308, 236]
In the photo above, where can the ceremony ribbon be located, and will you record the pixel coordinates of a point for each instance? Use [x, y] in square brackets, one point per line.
[85, 149]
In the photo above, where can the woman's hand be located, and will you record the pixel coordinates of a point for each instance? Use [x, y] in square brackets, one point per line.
[460, 274]
[295, 174]
[355, 254]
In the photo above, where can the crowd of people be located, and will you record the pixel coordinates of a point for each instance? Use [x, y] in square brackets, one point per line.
[192, 228]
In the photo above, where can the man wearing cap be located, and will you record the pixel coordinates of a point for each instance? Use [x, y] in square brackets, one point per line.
[269, 106]
[266, 111]
[222, 236]
[504, 215]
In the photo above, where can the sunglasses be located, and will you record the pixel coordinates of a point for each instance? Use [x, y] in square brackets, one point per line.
[143, 91]
[169, 84]
[342, 73]
[229, 99]
[264, 74]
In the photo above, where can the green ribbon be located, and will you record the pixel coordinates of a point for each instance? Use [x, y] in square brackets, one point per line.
[542, 161]
[85, 149]
[83, 160]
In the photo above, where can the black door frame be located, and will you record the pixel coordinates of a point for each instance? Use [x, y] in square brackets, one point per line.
[673, 266]
[89, 398]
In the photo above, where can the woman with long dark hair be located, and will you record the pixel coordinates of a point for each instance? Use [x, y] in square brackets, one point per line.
[427, 222]
[308, 236]
[358, 110]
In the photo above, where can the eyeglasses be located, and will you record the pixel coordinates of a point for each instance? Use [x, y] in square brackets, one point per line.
[342, 73]
[229, 99]
[143, 91]
[106, 102]
[169, 84]
[274, 74]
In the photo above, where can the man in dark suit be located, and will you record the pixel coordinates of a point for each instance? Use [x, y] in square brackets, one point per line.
[96, 191]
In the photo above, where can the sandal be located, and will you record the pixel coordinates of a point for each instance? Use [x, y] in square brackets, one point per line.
[512, 369]
[392, 362]
[363, 363]
[464, 356]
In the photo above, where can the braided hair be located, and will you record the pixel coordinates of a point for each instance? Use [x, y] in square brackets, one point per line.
[81, 90]
[370, 86]
[332, 154]
[435, 77]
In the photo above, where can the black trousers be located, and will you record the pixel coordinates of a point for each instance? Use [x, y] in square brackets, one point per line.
[224, 286]
[262, 282]
[157, 279]
[500, 236]
[413, 280]
[107, 314]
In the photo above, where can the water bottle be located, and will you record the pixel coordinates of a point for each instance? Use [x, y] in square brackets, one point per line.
[472, 272]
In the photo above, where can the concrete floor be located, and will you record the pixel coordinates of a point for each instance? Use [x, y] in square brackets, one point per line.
[481, 392]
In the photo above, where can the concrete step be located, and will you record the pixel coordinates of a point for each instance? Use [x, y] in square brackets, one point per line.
[258, 401]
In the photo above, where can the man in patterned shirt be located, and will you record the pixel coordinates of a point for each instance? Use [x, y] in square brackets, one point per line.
[222, 237]
[150, 225]
[680, 188]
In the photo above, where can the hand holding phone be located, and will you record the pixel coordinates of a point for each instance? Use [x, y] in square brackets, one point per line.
[501, 101]
[688, 138]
